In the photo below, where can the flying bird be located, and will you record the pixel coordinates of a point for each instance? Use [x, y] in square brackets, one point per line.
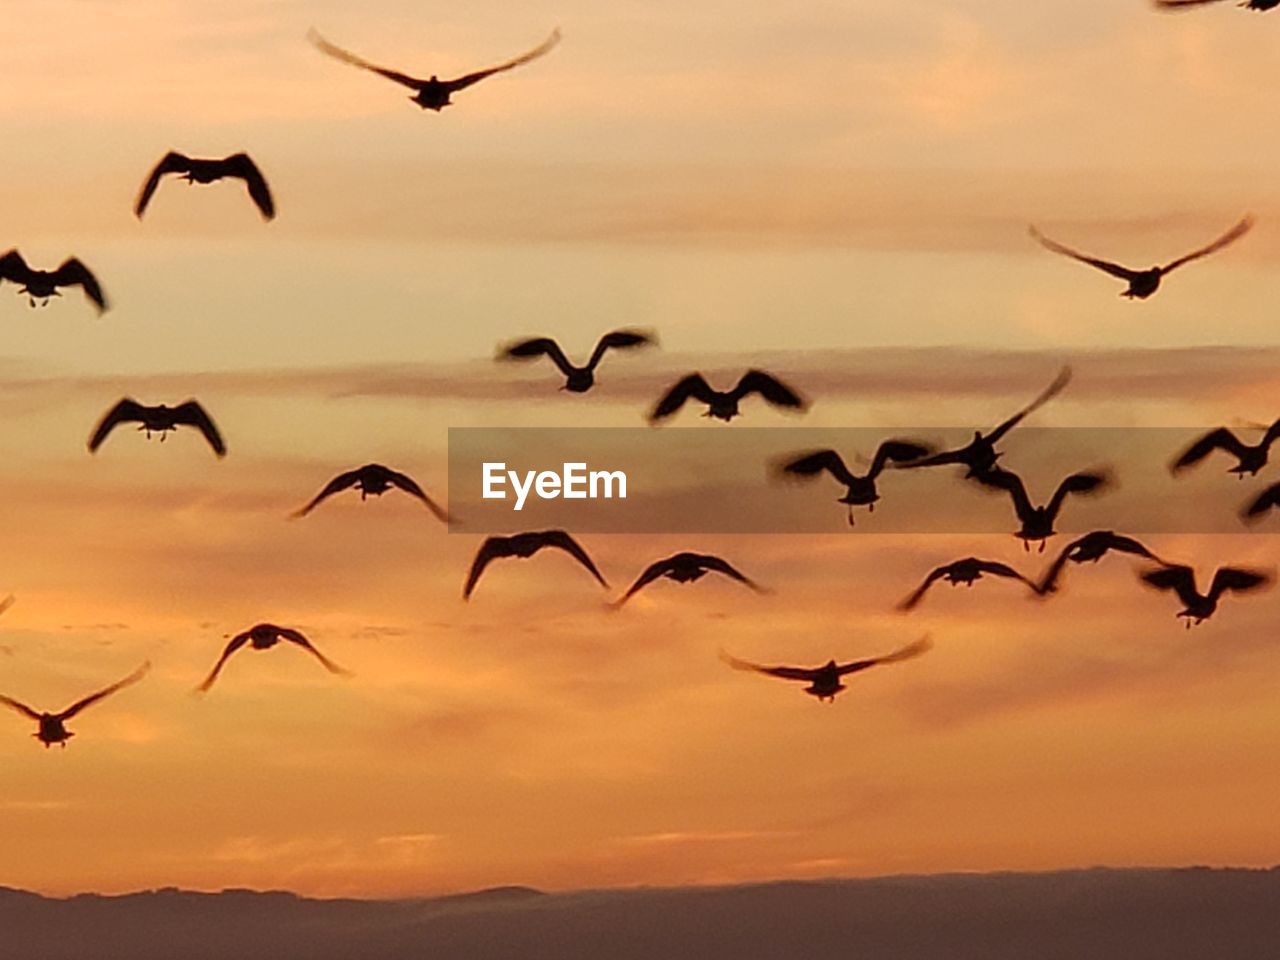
[724, 406]
[1037, 522]
[860, 491]
[1091, 548]
[1246, 4]
[433, 93]
[980, 454]
[685, 568]
[1143, 283]
[53, 727]
[264, 636]
[967, 571]
[1249, 458]
[42, 285]
[1198, 607]
[824, 682]
[239, 166]
[523, 546]
[578, 379]
[1268, 499]
[373, 480]
[159, 419]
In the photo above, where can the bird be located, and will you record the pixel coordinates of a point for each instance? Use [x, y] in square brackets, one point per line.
[1268, 499]
[433, 93]
[525, 545]
[967, 571]
[1260, 5]
[685, 568]
[373, 480]
[1249, 458]
[860, 491]
[195, 170]
[980, 454]
[42, 285]
[1037, 522]
[1143, 283]
[578, 379]
[159, 419]
[1091, 548]
[1198, 607]
[824, 682]
[53, 726]
[264, 636]
[724, 406]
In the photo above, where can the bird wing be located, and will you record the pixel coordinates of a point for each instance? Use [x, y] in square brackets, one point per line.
[1078, 483]
[1268, 498]
[21, 707]
[7, 602]
[536, 347]
[73, 273]
[293, 636]
[1236, 580]
[811, 464]
[691, 386]
[719, 565]
[1049, 582]
[241, 165]
[463, 82]
[913, 600]
[1115, 269]
[1272, 434]
[1219, 439]
[93, 698]
[1228, 238]
[238, 641]
[804, 674]
[492, 549]
[650, 574]
[769, 387]
[172, 162]
[410, 486]
[1176, 4]
[562, 540]
[346, 56]
[943, 458]
[1011, 483]
[897, 451]
[618, 340]
[1049, 392]
[1123, 544]
[909, 652]
[127, 410]
[13, 268]
[342, 481]
[191, 414]
[997, 569]
[1181, 580]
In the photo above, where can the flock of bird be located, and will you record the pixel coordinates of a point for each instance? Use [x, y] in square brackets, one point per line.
[979, 458]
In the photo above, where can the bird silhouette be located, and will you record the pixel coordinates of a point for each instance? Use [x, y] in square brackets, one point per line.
[523, 546]
[685, 568]
[158, 419]
[373, 480]
[433, 93]
[1143, 283]
[860, 491]
[1267, 500]
[1249, 458]
[1037, 522]
[578, 379]
[53, 726]
[724, 406]
[1198, 607]
[1091, 548]
[824, 682]
[980, 454]
[264, 636]
[42, 285]
[967, 571]
[239, 166]
[1260, 5]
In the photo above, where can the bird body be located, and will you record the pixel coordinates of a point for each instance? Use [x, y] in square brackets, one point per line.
[825, 682]
[577, 379]
[685, 568]
[433, 93]
[967, 572]
[1250, 458]
[1038, 521]
[52, 727]
[860, 491]
[1197, 606]
[723, 405]
[159, 419]
[525, 545]
[373, 480]
[40, 286]
[264, 636]
[1091, 548]
[194, 170]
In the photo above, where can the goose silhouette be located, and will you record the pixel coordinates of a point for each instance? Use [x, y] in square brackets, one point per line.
[723, 405]
[1091, 548]
[578, 379]
[238, 166]
[523, 546]
[264, 636]
[373, 480]
[1038, 521]
[40, 286]
[1250, 458]
[860, 491]
[824, 682]
[1199, 607]
[967, 572]
[53, 726]
[158, 419]
[685, 568]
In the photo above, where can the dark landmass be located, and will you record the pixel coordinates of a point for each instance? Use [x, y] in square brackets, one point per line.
[1197, 914]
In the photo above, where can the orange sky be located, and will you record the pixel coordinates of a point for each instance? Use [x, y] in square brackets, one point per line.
[740, 179]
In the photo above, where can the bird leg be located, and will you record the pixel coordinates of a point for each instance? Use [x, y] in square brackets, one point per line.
[851, 514]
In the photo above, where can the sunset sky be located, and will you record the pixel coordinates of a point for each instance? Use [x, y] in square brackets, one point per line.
[839, 194]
